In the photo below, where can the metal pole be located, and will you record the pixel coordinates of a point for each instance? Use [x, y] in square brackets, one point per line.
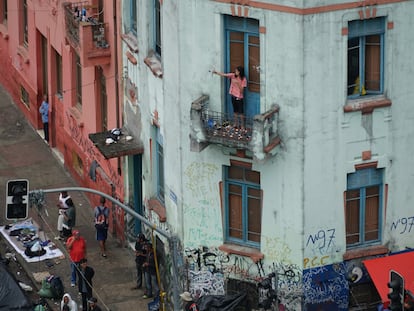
[127, 209]
[113, 200]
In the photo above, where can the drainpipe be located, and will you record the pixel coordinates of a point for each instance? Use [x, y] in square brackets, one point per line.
[118, 100]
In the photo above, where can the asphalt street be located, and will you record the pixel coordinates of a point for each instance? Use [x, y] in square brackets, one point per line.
[24, 154]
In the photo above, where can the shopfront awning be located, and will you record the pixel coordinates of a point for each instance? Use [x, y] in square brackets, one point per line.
[126, 145]
[379, 270]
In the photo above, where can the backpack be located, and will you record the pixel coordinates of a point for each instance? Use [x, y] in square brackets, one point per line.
[56, 285]
[101, 219]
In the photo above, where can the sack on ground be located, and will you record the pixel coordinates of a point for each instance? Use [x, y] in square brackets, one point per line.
[52, 287]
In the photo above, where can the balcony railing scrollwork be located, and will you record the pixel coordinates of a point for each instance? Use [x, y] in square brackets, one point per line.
[258, 134]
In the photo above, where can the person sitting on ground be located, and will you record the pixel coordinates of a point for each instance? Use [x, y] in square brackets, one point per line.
[67, 301]
[93, 304]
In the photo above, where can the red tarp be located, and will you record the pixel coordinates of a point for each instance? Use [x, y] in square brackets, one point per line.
[379, 270]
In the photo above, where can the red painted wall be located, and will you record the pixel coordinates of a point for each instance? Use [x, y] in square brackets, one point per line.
[69, 126]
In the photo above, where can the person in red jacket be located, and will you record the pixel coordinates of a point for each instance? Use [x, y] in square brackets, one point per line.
[76, 246]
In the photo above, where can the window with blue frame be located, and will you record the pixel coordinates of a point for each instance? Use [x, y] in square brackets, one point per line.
[157, 27]
[363, 212]
[243, 206]
[366, 57]
[130, 21]
[159, 150]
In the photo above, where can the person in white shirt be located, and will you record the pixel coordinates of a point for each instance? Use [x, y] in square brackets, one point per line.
[63, 206]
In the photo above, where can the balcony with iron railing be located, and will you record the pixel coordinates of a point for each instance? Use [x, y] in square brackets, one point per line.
[258, 134]
[86, 34]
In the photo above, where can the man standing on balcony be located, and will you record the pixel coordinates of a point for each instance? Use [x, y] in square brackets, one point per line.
[44, 112]
[237, 84]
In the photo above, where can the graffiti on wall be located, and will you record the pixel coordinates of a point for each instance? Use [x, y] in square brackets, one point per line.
[84, 143]
[319, 247]
[203, 225]
[276, 248]
[206, 283]
[326, 285]
[209, 268]
[89, 150]
[315, 261]
[203, 222]
[403, 225]
[202, 259]
[321, 242]
[201, 184]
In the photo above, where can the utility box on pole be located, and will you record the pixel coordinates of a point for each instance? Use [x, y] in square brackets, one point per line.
[17, 199]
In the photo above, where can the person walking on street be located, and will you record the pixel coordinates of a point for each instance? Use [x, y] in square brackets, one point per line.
[101, 224]
[69, 219]
[150, 274]
[140, 256]
[238, 83]
[44, 112]
[189, 304]
[63, 206]
[93, 304]
[86, 274]
[76, 246]
[69, 302]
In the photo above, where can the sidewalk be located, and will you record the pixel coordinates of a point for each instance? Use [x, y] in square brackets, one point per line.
[24, 154]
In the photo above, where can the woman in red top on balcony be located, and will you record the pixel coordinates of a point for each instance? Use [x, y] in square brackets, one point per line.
[237, 85]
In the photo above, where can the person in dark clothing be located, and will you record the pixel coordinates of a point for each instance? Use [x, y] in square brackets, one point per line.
[140, 256]
[101, 224]
[150, 273]
[69, 220]
[86, 274]
[409, 305]
[93, 304]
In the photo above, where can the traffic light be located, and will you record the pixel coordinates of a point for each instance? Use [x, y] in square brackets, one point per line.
[17, 200]
[396, 294]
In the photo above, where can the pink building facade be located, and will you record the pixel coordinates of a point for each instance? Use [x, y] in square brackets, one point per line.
[68, 50]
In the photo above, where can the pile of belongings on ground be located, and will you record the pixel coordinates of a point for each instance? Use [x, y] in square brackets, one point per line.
[26, 233]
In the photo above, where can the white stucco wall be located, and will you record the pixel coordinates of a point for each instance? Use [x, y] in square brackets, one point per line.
[303, 69]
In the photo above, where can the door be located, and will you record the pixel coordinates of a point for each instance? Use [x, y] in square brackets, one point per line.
[137, 189]
[243, 49]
